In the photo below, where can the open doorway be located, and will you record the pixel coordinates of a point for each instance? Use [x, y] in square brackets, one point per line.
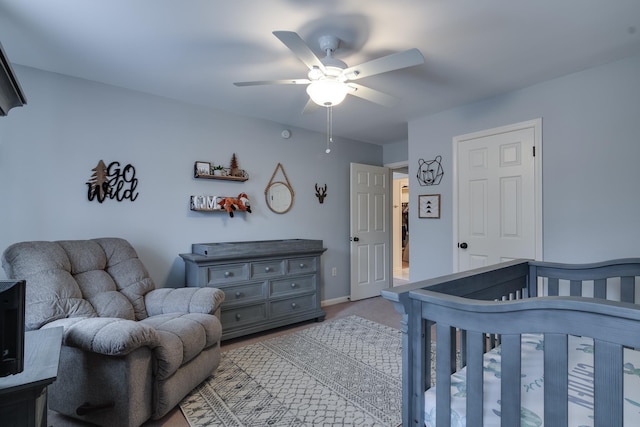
[400, 224]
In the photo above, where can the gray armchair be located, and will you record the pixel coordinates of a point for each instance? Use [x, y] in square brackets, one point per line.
[130, 352]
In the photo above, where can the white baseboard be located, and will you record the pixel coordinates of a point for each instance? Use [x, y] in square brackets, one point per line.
[334, 301]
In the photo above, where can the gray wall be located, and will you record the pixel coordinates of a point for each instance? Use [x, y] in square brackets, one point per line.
[591, 128]
[49, 147]
[395, 152]
[591, 165]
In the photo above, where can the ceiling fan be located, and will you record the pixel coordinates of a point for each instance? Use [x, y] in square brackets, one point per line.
[330, 80]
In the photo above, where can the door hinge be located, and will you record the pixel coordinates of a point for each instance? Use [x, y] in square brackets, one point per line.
[534, 151]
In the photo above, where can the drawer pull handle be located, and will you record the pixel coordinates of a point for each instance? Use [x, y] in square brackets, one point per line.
[238, 316]
[238, 294]
[267, 269]
[293, 305]
[302, 265]
[228, 274]
[293, 285]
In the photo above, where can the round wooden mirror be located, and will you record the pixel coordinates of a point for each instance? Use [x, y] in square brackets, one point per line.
[279, 194]
[279, 197]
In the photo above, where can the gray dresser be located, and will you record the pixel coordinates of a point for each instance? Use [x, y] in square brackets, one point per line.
[267, 283]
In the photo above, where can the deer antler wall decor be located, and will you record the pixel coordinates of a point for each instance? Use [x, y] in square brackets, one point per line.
[321, 193]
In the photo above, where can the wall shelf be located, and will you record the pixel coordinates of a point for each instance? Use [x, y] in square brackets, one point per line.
[213, 210]
[204, 203]
[204, 170]
[207, 210]
[223, 177]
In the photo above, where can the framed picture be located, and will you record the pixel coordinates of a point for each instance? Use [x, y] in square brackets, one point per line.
[202, 168]
[429, 206]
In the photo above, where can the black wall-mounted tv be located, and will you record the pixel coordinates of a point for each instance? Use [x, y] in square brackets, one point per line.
[12, 295]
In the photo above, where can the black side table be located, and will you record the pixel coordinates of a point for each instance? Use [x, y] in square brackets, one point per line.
[23, 396]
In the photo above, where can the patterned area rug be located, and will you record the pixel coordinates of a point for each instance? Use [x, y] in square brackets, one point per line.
[344, 372]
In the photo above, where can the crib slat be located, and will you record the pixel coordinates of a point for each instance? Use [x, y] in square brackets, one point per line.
[443, 375]
[493, 341]
[608, 359]
[426, 349]
[627, 289]
[454, 348]
[510, 381]
[475, 345]
[418, 361]
[463, 348]
[600, 288]
[553, 286]
[575, 288]
[555, 380]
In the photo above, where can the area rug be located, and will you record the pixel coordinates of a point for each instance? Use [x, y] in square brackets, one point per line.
[344, 372]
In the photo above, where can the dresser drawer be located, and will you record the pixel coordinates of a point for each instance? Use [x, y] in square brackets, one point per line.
[301, 265]
[266, 269]
[292, 306]
[243, 293]
[293, 285]
[227, 273]
[242, 316]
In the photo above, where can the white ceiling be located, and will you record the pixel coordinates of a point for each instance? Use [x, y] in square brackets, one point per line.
[193, 50]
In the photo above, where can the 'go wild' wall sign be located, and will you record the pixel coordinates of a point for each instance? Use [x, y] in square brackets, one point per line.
[112, 182]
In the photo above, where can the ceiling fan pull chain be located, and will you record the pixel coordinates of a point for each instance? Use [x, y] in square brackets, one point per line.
[329, 128]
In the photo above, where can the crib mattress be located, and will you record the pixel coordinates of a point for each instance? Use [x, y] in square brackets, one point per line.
[580, 386]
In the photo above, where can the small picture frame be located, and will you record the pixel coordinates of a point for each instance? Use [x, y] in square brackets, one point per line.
[202, 168]
[429, 206]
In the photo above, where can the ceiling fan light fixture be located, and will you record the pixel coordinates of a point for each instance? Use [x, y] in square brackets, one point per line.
[327, 92]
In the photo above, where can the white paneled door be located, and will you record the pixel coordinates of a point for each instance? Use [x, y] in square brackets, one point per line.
[370, 230]
[498, 199]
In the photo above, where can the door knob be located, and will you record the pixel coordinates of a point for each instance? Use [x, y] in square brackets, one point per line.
[355, 239]
[463, 245]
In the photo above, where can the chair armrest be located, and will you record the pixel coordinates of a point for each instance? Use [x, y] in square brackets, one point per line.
[106, 335]
[183, 300]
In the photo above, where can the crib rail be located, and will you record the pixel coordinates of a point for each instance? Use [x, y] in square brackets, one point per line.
[485, 283]
[514, 283]
[609, 323]
[614, 280]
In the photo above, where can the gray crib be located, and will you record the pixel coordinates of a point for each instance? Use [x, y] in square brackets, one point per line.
[466, 314]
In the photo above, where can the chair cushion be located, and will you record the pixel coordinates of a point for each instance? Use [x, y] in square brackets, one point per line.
[185, 300]
[52, 292]
[106, 335]
[86, 278]
[182, 336]
[126, 273]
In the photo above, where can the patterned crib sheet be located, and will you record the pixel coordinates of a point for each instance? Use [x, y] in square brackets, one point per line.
[532, 414]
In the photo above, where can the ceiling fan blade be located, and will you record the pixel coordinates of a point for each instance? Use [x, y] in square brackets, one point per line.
[275, 82]
[295, 43]
[372, 95]
[395, 61]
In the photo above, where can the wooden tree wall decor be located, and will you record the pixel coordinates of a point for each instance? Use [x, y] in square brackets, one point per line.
[430, 172]
[112, 182]
[234, 170]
